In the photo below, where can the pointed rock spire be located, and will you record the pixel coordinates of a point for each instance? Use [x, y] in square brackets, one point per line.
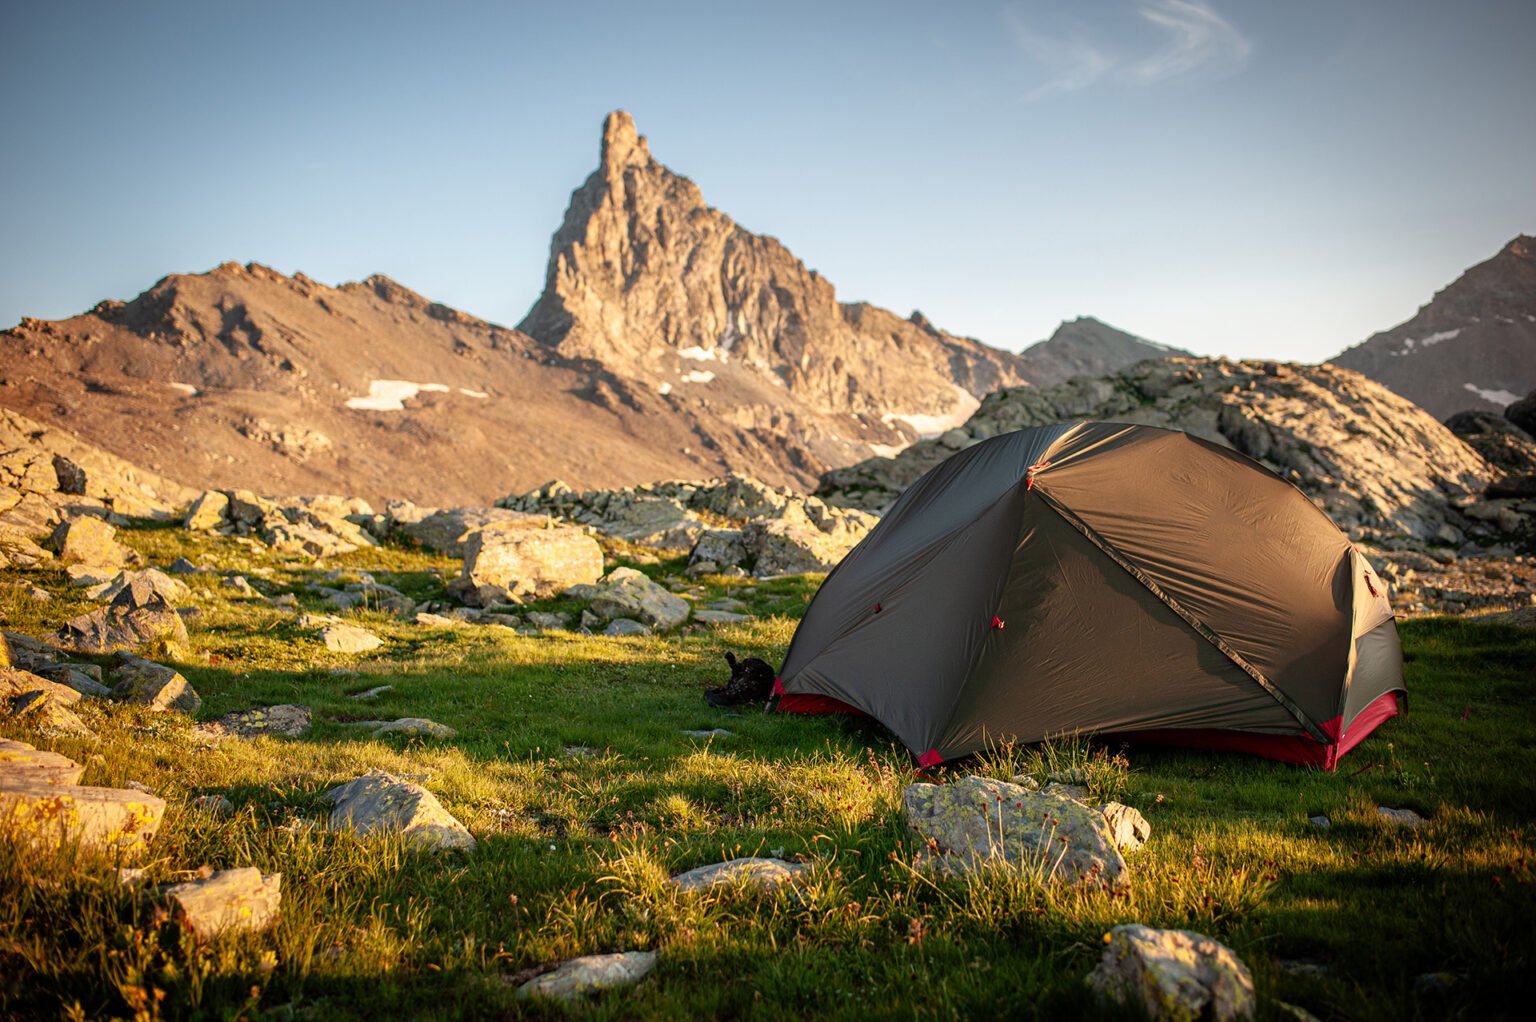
[623, 146]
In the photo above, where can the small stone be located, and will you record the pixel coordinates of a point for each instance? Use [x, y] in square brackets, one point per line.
[624, 626]
[288, 600]
[579, 752]
[1129, 828]
[1073, 792]
[285, 720]
[416, 727]
[1025, 781]
[340, 638]
[378, 801]
[1320, 822]
[231, 900]
[714, 732]
[720, 617]
[207, 512]
[373, 693]
[217, 805]
[581, 977]
[182, 566]
[1173, 975]
[37, 595]
[83, 678]
[548, 621]
[627, 593]
[1406, 819]
[438, 621]
[136, 680]
[240, 585]
[764, 874]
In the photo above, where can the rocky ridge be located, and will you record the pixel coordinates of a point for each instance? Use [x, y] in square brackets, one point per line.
[1473, 346]
[1086, 347]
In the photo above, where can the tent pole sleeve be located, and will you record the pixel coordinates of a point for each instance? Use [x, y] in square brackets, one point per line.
[1194, 622]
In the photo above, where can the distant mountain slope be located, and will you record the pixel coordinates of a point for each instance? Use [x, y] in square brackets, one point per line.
[1473, 346]
[1378, 464]
[1087, 347]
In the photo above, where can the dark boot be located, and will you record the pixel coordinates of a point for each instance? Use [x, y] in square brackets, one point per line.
[751, 681]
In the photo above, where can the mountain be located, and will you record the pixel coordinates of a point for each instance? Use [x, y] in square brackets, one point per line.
[669, 343]
[1381, 466]
[1472, 347]
[1087, 347]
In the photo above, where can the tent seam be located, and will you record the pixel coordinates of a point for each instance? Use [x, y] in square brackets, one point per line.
[1200, 627]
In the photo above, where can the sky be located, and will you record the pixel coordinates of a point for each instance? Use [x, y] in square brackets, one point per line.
[1236, 177]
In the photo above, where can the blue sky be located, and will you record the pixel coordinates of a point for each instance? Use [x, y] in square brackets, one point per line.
[1236, 177]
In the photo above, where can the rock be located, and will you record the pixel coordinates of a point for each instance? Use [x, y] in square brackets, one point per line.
[239, 584]
[720, 617]
[620, 627]
[1523, 413]
[136, 680]
[1173, 975]
[1128, 827]
[447, 530]
[90, 541]
[229, 901]
[764, 874]
[378, 801]
[15, 682]
[438, 621]
[1025, 781]
[49, 715]
[339, 638]
[182, 566]
[581, 977]
[1405, 819]
[977, 821]
[373, 693]
[719, 547]
[285, 720]
[791, 547]
[510, 563]
[548, 621]
[1072, 792]
[416, 727]
[110, 820]
[17, 550]
[1320, 822]
[714, 732]
[170, 589]
[627, 593]
[72, 478]
[20, 762]
[89, 576]
[138, 616]
[39, 595]
[217, 805]
[207, 511]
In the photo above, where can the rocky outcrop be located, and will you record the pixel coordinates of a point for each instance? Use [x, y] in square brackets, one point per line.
[1381, 467]
[1087, 347]
[771, 530]
[1472, 346]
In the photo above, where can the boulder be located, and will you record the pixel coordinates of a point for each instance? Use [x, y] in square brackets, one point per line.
[720, 547]
[207, 512]
[380, 802]
[627, 593]
[285, 720]
[447, 530]
[415, 727]
[83, 678]
[17, 550]
[340, 638]
[791, 546]
[47, 816]
[15, 682]
[1173, 976]
[173, 590]
[137, 616]
[20, 762]
[620, 627]
[510, 563]
[660, 522]
[581, 977]
[49, 716]
[72, 478]
[229, 901]
[1523, 413]
[979, 822]
[1405, 819]
[720, 617]
[136, 680]
[761, 873]
[88, 540]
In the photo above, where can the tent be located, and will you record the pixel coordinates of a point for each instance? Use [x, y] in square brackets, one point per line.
[1103, 578]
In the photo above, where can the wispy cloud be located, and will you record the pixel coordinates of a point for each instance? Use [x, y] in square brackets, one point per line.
[1201, 38]
[1197, 39]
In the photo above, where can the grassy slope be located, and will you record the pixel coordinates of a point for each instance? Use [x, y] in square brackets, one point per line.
[574, 852]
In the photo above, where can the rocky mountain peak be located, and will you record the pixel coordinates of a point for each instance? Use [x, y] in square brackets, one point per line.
[1471, 347]
[623, 145]
[1088, 347]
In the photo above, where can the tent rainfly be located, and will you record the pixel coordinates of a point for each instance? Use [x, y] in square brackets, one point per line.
[1103, 578]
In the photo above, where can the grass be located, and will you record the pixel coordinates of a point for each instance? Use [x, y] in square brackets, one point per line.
[575, 850]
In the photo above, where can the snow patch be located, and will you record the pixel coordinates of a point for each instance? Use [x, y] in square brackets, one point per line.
[1498, 397]
[1424, 342]
[928, 426]
[698, 376]
[185, 388]
[664, 389]
[886, 450]
[699, 354]
[473, 393]
[391, 395]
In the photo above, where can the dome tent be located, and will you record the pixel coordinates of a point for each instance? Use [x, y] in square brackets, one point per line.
[1099, 578]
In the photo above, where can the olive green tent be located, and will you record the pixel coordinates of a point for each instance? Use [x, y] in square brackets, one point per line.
[1095, 578]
